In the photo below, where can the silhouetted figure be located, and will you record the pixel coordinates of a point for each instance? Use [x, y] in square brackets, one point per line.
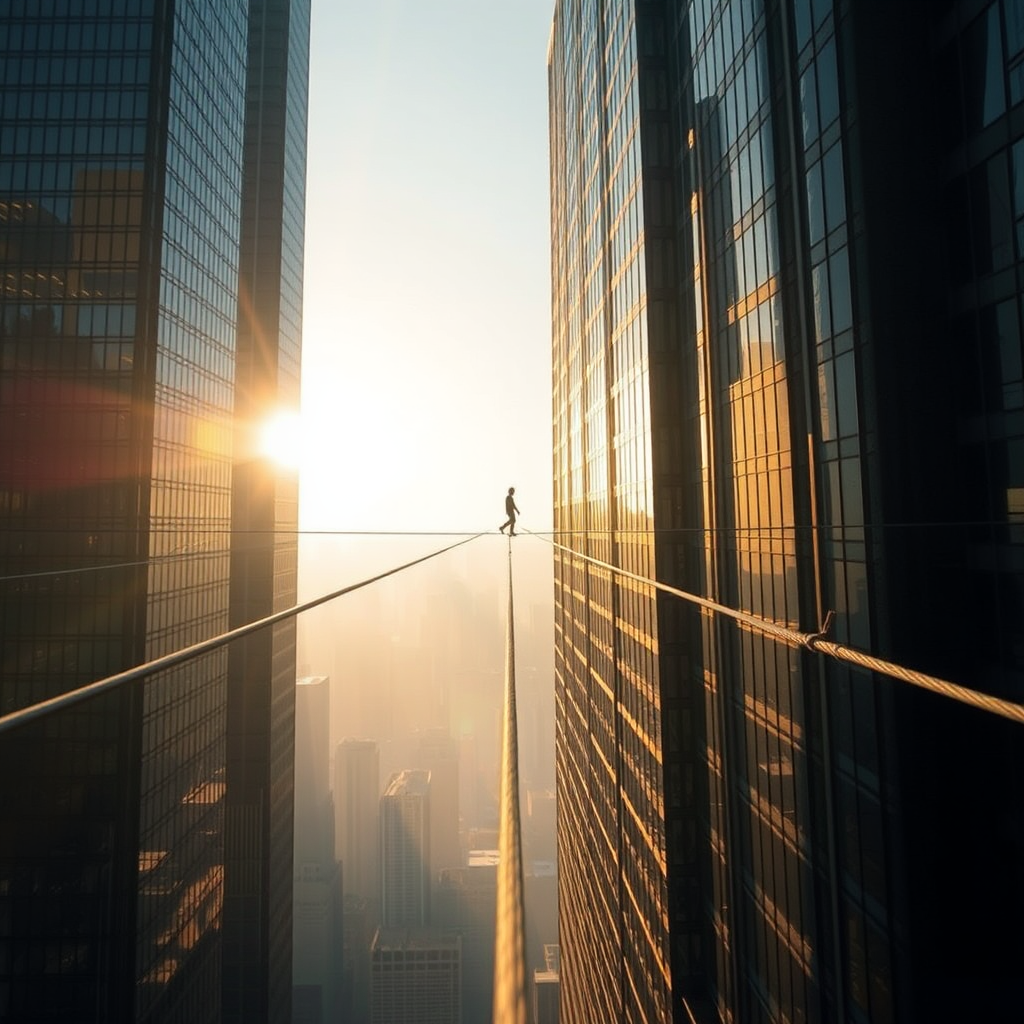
[510, 511]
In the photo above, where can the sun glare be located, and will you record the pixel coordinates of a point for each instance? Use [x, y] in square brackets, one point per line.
[281, 439]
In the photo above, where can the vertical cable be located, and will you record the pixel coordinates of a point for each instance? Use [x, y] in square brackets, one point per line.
[510, 1003]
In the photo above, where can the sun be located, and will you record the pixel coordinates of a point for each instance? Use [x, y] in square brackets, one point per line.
[281, 440]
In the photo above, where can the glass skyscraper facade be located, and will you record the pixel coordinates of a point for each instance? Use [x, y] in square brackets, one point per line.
[264, 520]
[123, 166]
[787, 378]
[611, 810]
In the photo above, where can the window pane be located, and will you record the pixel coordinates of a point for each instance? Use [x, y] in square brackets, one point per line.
[835, 191]
[822, 311]
[839, 279]
[846, 394]
[992, 220]
[827, 402]
[828, 85]
[1018, 178]
[815, 204]
[1014, 11]
[802, 18]
[983, 70]
[809, 106]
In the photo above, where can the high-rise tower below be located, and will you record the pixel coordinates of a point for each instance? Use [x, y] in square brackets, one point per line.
[405, 850]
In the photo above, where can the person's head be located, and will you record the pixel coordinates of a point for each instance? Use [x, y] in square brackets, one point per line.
[511, 490]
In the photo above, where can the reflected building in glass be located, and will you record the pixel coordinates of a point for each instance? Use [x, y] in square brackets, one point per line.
[787, 377]
[125, 167]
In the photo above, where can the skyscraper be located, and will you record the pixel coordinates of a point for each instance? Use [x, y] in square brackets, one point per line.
[466, 906]
[317, 898]
[123, 171]
[357, 844]
[545, 988]
[415, 977]
[787, 379]
[264, 519]
[405, 850]
[357, 812]
[314, 806]
[437, 751]
[614, 927]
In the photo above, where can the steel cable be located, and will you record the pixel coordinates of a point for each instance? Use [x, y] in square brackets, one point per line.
[65, 700]
[818, 643]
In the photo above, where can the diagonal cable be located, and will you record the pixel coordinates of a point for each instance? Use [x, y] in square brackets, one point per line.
[818, 642]
[132, 675]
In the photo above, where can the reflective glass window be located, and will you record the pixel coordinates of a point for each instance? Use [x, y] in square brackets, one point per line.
[839, 277]
[822, 305]
[809, 105]
[1017, 170]
[1013, 12]
[991, 216]
[1000, 354]
[827, 401]
[828, 85]
[982, 56]
[835, 192]
[1016, 76]
[802, 22]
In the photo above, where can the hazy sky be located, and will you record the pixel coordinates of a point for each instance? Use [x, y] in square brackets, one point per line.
[426, 343]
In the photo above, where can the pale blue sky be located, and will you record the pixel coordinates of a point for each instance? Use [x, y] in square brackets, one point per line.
[426, 353]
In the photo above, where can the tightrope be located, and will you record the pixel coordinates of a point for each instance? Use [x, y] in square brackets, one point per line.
[819, 644]
[65, 700]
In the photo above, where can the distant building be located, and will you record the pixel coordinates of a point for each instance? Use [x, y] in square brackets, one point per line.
[318, 944]
[478, 842]
[357, 811]
[546, 988]
[405, 850]
[359, 927]
[545, 997]
[437, 751]
[317, 969]
[540, 897]
[307, 1004]
[314, 806]
[415, 977]
[539, 825]
[466, 903]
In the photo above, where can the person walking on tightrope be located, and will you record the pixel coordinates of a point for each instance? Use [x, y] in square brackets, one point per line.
[510, 511]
